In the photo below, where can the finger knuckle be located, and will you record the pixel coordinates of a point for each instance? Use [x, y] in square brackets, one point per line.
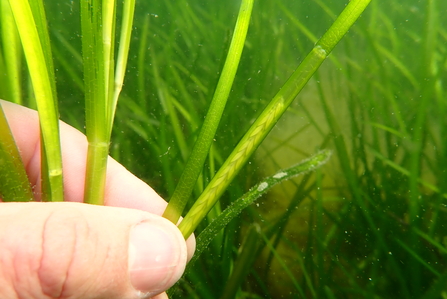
[65, 236]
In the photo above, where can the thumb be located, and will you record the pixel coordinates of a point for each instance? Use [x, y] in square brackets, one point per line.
[74, 250]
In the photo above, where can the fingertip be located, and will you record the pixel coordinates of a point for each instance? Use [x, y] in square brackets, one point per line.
[161, 296]
[157, 256]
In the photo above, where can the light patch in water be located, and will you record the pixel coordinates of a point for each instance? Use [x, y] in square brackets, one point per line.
[280, 175]
[262, 186]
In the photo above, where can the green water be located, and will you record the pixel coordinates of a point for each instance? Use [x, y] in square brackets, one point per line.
[371, 222]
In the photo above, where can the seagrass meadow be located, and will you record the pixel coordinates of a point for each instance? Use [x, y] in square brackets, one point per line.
[370, 223]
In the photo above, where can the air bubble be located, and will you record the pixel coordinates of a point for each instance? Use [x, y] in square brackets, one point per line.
[280, 175]
[320, 51]
[262, 186]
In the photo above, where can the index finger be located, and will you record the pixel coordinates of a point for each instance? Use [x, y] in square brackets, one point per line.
[123, 189]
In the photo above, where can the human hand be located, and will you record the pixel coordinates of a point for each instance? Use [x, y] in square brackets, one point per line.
[124, 249]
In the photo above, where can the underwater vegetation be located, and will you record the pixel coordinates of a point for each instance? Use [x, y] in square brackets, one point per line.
[370, 223]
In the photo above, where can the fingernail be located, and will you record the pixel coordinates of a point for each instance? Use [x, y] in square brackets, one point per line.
[154, 257]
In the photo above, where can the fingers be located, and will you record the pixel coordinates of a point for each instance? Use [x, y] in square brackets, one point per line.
[72, 250]
[123, 189]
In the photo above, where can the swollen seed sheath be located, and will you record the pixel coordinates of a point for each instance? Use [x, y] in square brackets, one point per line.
[233, 164]
[262, 126]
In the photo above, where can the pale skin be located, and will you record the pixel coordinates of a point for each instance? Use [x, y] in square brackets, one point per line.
[75, 250]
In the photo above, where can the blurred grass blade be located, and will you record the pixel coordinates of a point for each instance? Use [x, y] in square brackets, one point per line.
[12, 53]
[268, 118]
[437, 289]
[407, 172]
[433, 242]
[244, 262]
[198, 155]
[14, 183]
[283, 265]
[418, 258]
[35, 40]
